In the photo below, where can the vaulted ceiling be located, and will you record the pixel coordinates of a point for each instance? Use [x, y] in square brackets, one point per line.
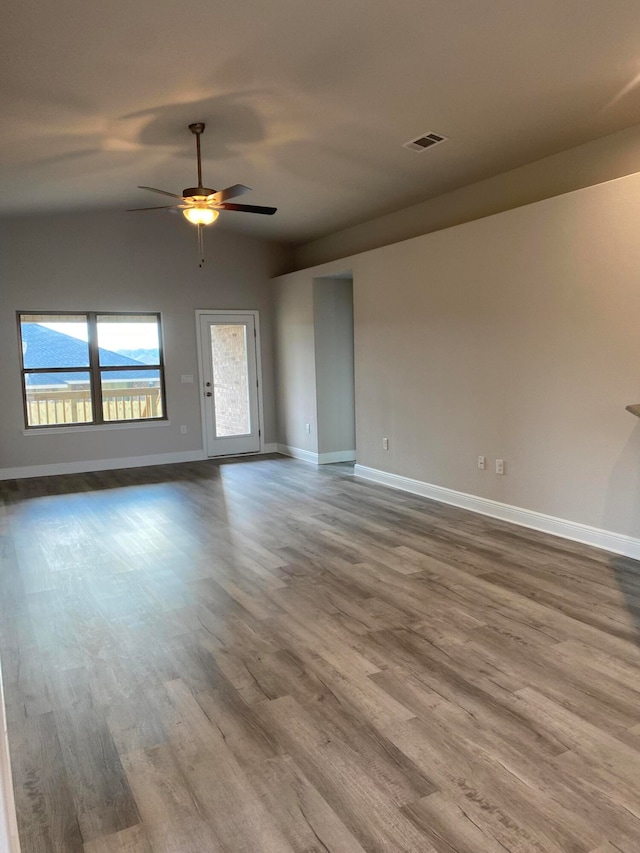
[307, 102]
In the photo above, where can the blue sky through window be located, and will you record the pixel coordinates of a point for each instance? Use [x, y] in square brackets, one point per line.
[113, 336]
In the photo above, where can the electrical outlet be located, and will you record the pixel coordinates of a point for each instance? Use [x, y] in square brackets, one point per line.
[499, 466]
[385, 443]
[482, 462]
[308, 428]
[183, 429]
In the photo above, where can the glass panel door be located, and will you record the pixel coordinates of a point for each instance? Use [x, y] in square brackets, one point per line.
[230, 385]
[230, 379]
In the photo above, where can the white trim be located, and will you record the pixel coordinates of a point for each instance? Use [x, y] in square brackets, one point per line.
[111, 464]
[316, 458]
[256, 315]
[9, 840]
[336, 456]
[618, 543]
[203, 418]
[100, 465]
[298, 453]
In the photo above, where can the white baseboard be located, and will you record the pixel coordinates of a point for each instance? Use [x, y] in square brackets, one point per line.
[317, 458]
[618, 543]
[298, 453]
[24, 471]
[100, 465]
[9, 840]
[336, 456]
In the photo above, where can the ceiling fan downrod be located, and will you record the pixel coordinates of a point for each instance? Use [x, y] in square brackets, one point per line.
[198, 193]
[197, 128]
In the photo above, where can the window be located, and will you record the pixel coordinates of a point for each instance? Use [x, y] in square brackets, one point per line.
[91, 368]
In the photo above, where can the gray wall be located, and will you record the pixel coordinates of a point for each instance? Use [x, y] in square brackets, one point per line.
[513, 336]
[600, 160]
[125, 262]
[295, 365]
[333, 336]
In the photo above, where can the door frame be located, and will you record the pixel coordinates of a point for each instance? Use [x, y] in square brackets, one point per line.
[230, 313]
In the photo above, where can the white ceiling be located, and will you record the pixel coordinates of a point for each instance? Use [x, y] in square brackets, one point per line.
[307, 102]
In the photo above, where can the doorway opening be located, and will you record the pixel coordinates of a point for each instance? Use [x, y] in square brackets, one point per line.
[334, 362]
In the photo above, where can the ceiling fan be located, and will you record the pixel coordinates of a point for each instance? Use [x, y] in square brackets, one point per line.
[202, 205]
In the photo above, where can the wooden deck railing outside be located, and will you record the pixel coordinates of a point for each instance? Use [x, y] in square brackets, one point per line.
[65, 406]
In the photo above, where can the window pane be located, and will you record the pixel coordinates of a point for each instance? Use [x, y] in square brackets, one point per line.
[230, 379]
[128, 339]
[131, 395]
[51, 340]
[58, 398]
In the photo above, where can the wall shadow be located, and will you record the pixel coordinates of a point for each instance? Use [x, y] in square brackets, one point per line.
[231, 120]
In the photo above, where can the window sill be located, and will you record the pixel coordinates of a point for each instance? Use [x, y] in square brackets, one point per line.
[61, 430]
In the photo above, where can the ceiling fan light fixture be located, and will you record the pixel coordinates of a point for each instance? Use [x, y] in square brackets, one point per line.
[202, 205]
[201, 215]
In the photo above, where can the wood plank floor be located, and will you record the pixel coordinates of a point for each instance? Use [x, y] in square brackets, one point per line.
[263, 657]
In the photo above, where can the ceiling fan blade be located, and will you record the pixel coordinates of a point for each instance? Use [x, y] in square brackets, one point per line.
[162, 192]
[249, 208]
[161, 207]
[230, 192]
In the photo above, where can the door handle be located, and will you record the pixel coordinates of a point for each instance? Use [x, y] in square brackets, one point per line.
[209, 394]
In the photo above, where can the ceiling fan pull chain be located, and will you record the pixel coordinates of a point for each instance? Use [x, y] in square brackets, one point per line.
[200, 246]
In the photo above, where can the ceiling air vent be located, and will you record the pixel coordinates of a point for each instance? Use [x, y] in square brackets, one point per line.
[427, 140]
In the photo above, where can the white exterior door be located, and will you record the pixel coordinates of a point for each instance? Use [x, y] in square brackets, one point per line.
[229, 382]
